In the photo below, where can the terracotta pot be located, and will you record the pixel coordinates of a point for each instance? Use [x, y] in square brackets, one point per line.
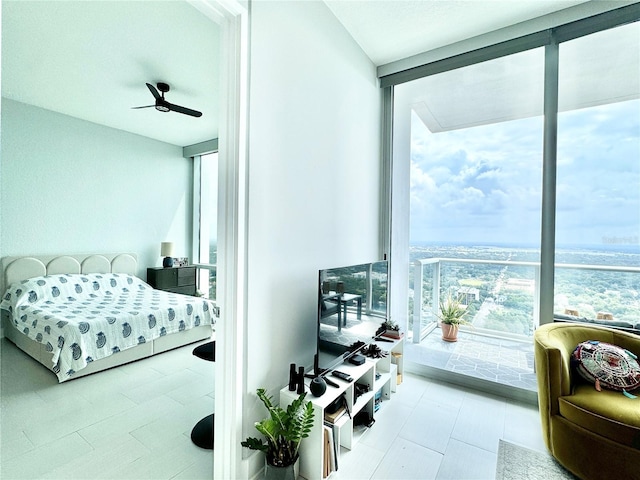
[449, 332]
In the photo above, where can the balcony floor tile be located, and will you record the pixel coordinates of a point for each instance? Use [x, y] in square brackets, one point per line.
[505, 361]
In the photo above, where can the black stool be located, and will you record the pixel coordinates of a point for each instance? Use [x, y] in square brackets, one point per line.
[202, 433]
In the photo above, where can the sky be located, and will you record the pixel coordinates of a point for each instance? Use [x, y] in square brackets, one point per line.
[484, 184]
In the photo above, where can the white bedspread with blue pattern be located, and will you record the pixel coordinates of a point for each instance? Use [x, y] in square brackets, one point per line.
[86, 317]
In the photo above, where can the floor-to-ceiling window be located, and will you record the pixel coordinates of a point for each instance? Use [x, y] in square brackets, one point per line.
[205, 222]
[598, 177]
[472, 158]
[475, 181]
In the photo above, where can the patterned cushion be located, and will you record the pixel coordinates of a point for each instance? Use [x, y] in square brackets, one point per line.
[607, 365]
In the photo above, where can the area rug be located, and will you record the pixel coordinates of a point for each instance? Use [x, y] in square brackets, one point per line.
[520, 463]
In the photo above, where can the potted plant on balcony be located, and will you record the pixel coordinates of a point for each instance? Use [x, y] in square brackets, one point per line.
[451, 317]
[283, 431]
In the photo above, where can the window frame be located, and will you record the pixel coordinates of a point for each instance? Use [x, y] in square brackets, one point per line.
[391, 213]
[196, 155]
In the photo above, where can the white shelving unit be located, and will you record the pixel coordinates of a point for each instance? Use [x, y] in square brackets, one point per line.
[389, 371]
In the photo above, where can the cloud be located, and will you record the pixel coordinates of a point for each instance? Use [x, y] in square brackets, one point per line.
[487, 181]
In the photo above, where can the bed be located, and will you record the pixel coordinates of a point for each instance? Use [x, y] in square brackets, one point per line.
[81, 314]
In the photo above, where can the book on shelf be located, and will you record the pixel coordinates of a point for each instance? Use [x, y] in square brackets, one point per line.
[326, 454]
[332, 459]
[377, 400]
[333, 417]
[336, 447]
[330, 463]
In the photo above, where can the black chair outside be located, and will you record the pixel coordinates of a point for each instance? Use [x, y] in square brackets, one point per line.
[330, 305]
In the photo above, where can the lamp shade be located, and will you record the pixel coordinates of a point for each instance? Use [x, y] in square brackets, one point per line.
[166, 249]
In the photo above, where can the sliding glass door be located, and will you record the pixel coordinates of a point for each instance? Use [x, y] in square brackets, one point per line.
[473, 213]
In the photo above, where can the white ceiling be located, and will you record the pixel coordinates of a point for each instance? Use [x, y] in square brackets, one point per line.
[390, 30]
[596, 69]
[91, 59]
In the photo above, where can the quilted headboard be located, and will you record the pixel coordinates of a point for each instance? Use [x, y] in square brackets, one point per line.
[16, 269]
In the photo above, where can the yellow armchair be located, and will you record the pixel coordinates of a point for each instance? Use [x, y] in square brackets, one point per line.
[595, 435]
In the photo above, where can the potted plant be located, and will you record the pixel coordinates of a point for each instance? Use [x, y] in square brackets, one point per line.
[283, 431]
[451, 317]
[389, 329]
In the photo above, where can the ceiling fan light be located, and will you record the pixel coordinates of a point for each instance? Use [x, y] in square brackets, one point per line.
[163, 106]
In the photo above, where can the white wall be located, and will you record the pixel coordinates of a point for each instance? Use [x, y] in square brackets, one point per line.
[71, 186]
[314, 179]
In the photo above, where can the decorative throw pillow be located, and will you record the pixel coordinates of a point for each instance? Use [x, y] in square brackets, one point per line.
[607, 365]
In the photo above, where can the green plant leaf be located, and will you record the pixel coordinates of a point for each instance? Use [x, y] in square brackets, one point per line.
[282, 429]
[452, 311]
[254, 444]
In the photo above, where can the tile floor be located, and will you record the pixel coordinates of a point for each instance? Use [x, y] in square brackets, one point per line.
[131, 422]
[434, 430]
[504, 361]
[134, 422]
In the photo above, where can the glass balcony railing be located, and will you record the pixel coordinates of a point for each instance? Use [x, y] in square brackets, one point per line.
[207, 279]
[501, 297]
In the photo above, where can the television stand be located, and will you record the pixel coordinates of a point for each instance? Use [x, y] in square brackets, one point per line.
[372, 386]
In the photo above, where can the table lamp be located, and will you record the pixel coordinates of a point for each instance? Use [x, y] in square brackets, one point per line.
[166, 251]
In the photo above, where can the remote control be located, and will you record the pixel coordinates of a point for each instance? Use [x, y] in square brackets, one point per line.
[331, 382]
[342, 376]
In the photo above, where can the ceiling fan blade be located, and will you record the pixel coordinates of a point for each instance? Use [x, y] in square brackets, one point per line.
[185, 110]
[144, 106]
[153, 91]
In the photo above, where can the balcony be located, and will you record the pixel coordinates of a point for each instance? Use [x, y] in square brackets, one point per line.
[501, 298]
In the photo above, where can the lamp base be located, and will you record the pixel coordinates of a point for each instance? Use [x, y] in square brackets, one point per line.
[167, 262]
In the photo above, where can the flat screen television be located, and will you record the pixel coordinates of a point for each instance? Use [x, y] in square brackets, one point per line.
[352, 304]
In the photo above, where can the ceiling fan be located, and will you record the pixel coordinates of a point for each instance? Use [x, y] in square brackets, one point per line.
[163, 106]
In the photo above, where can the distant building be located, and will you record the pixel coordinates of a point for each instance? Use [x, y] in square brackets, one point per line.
[521, 284]
[467, 295]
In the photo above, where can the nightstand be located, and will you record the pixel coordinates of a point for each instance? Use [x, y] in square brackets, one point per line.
[176, 280]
